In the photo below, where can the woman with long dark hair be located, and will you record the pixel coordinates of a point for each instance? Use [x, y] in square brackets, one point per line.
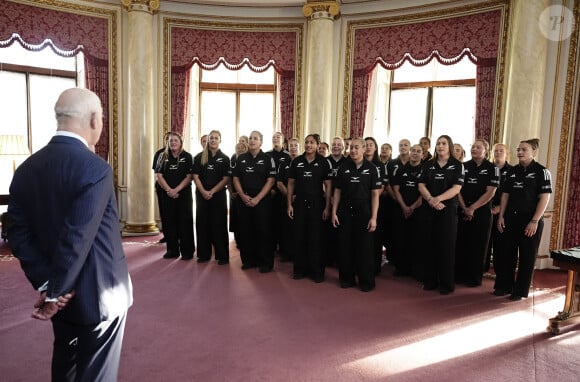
[174, 176]
[525, 196]
[440, 182]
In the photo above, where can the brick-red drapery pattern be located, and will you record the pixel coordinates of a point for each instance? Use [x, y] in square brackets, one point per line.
[208, 48]
[66, 34]
[572, 226]
[447, 40]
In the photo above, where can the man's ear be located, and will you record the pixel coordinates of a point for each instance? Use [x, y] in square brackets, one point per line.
[94, 121]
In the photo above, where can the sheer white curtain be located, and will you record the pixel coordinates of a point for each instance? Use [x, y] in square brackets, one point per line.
[377, 116]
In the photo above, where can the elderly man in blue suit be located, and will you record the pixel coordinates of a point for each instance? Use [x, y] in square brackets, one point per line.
[64, 229]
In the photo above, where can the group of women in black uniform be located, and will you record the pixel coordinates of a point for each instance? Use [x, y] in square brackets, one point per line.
[437, 217]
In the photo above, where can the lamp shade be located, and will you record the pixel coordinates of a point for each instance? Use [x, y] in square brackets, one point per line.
[13, 145]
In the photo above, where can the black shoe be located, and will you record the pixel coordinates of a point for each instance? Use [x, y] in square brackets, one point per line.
[248, 266]
[367, 288]
[318, 279]
[199, 260]
[170, 255]
[429, 287]
[162, 240]
[500, 292]
[515, 297]
[185, 258]
[472, 284]
[265, 269]
[346, 284]
[298, 276]
[445, 291]
[223, 262]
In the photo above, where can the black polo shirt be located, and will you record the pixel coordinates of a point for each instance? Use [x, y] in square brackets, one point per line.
[174, 170]
[525, 185]
[309, 177]
[279, 157]
[215, 169]
[439, 179]
[477, 179]
[407, 178]
[253, 173]
[502, 177]
[335, 164]
[356, 184]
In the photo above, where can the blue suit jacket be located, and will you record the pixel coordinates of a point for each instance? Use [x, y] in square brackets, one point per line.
[64, 229]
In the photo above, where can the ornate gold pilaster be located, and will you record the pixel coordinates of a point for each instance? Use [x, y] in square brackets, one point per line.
[140, 120]
[150, 6]
[318, 113]
[321, 9]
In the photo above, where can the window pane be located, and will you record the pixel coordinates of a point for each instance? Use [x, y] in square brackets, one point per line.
[46, 58]
[257, 113]
[408, 113]
[218, 112]
[13, 103]
[434, 71]
[44, 91]
[247, 76]
[243, 76]
[220, 75]
[454, 115]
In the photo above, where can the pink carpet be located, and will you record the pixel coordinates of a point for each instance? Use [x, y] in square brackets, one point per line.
[205, 322]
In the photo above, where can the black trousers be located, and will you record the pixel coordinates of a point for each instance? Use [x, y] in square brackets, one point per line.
[87, 352]
[211, 226]
[516, 248]
[307, 227]
[159, 192]
[493, 243]
[178, 229]
[355, 255]
[440, 248]
[255, 233]
[472, 244]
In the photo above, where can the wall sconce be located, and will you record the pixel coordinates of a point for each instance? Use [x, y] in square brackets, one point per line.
[13, 146]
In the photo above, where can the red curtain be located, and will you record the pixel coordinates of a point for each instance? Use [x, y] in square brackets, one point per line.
[572, 224]
[447, 40]
[360, 86]
[179, 98]
[287, 82]
[97, 80]
[36, 28]
[234, 49]
[485, 90]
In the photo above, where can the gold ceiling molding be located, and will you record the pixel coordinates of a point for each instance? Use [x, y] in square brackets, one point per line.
[150, 6]
[569, 115]
[169, 23]
[439, 14]
[111, 16]
[324, 9]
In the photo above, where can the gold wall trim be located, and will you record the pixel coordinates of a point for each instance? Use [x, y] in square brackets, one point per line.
[169, 23]
[439, 14]
[568, 129]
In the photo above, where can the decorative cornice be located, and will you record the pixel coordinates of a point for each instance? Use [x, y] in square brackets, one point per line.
[150, 6]
[321, 10]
